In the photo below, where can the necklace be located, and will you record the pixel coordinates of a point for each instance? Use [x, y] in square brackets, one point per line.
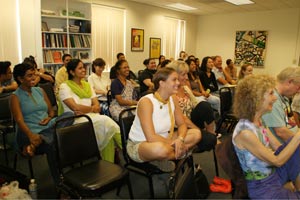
[161, 100]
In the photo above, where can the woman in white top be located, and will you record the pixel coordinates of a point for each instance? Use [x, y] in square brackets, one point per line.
[76, 95]
[100, 82]
[152, 136]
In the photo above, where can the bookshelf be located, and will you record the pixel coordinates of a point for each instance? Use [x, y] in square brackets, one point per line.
[65, 28]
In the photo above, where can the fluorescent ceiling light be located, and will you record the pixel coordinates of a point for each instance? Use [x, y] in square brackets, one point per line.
[240, 2]
[181, 6]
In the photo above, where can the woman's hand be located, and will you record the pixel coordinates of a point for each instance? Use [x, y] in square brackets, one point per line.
[35, 139]
[180, 148]
[45, 121]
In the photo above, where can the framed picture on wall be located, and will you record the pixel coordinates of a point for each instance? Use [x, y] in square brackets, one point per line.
[155, 47]
[137, 39]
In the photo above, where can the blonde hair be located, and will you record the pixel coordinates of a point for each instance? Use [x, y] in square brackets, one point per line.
[179, 66]
[289, 73]
[242, 70]
[249, 95]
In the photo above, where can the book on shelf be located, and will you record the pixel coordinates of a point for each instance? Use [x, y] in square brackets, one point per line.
[57, 56]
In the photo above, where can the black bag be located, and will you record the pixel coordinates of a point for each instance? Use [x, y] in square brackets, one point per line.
[185, 183]
[201, 184]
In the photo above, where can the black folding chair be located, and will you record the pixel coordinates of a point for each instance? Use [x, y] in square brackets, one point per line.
[48, 88]
[6, 122]
[83, 173]
[227, 115]
[145, 169]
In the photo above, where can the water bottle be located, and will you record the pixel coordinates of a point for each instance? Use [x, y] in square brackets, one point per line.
[33, 189]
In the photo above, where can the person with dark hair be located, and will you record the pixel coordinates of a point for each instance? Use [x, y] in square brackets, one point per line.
[122, 91]
[152, 136]
[191, 57]
[161, 59]
[165, 63]
[182, 55]
[34, 117]
[100, 82]
[76, 95]
[145, 79]
[41, 75]
[197, 88]
[267, 164]
[113, 71]
[61, 74]
[207, 77]
[7, 84]
[231, 69]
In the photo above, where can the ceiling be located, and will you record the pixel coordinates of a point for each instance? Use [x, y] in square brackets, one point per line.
[210, 7]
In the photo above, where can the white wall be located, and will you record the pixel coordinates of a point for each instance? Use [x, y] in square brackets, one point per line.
[150, 19]
[8, 34]
[216, 36]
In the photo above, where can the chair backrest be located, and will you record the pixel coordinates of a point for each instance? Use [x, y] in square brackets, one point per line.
[226, 100]
[75, 143]
[181, 181]
[48, 88]
[5, 113]
[231, 166]
[109, 97]
[125, 123]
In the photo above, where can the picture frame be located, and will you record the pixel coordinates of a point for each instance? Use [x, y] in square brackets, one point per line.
[154, 47]
[84, 56]
[45, 26]
[137, 39]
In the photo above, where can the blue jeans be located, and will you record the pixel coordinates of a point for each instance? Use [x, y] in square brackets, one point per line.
[272, 186]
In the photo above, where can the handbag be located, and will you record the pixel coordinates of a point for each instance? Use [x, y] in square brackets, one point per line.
[201, 183]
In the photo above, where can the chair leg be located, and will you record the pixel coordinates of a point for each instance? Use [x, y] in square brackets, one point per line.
[129, 188]
[15, 161]
[151, 187]
[30, 167]
[5, 149]
[216, 162]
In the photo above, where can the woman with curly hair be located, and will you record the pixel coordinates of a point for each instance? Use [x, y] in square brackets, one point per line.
[267, 165]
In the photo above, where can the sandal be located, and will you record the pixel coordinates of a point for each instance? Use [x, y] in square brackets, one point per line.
[28, 150]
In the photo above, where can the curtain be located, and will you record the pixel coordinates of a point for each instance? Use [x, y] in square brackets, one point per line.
[174, 37]
[108, 33]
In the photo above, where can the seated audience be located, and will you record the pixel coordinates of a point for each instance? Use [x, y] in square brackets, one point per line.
[41, 75]
[280, 119]
[145, 79]
[182, 56]
[100, 82]
[230, 69]
[296, 108]
[152, 136]
[122, 91]
[223, 79]
[62, 74]
[77, 95]
[113, 71]
[161, 59]
[200, 113]
[34, 117]
[165, 63]
[246, 69]
[267, 165]
[207, 77]
[197, 88]
[7, 84]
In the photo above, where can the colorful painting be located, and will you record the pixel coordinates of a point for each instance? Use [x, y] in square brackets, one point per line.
[137, 39]
[250, 47]
[155, 47]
